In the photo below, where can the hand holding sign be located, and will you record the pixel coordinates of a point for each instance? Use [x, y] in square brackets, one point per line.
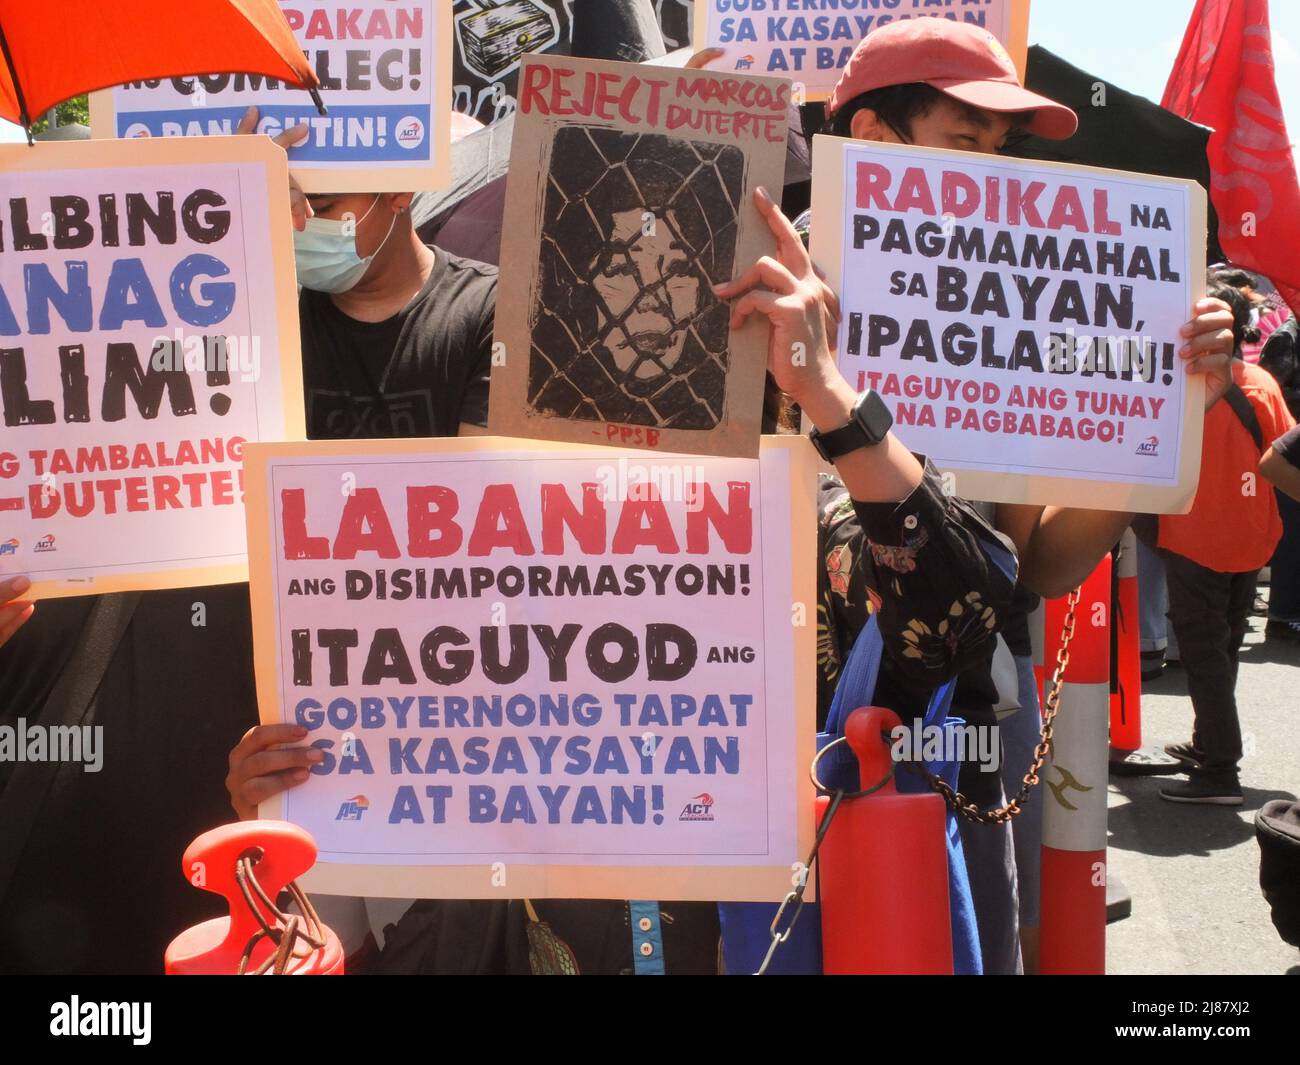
[801, 308]
[299, 205]
[804, 313]
[262, 766]
[1209, 346]
[13, 615]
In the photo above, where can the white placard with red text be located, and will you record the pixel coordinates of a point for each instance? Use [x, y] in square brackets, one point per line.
[1021, 319]
[590, 668]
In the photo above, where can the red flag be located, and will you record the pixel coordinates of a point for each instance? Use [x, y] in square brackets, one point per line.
[1223, 78]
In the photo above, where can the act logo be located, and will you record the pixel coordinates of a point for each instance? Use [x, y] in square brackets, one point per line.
[1149, 446]
[136, 131]
[353, 808]
[410, 132]
[9, 547]
[699, 808]
[745, 62]
[45, 543]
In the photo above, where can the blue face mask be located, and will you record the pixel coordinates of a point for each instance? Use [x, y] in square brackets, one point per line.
[326, 253]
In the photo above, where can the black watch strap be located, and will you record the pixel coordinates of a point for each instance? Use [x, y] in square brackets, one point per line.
[868, 425]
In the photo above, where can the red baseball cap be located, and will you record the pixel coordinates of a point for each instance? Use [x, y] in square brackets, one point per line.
[960, 59]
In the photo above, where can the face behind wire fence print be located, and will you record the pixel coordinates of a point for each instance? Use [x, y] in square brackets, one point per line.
[636, 230]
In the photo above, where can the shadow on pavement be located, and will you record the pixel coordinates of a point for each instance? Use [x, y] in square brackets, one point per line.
[1148, 824]
[1287, 654]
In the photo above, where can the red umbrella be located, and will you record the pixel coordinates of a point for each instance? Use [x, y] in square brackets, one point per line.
[57, 49]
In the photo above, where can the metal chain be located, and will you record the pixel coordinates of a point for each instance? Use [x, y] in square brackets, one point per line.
[958, 802]
[796, 896]
[955, 799]
[288, 928]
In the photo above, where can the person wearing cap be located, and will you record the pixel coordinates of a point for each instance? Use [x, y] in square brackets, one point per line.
[937, 83]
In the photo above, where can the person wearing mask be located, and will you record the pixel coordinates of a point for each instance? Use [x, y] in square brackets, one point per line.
[396, 341]
[858, 553]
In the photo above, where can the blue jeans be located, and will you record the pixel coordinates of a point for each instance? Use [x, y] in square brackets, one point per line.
[1153, 600]
[1284, 584]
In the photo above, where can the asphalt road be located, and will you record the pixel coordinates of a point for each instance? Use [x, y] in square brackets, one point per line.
[1193, 871]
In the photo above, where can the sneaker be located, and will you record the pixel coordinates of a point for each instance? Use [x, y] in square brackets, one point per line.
[1186, 753]
[1282, 630]
[1153, 664]
[1207, 789]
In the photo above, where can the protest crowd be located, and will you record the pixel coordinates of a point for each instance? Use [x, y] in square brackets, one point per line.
[644, 280]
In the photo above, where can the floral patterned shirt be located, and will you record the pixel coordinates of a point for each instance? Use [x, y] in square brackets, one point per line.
[939, 594]
[922, 566]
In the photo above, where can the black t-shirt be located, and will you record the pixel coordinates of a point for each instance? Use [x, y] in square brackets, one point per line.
[99, 887]
[419, 373]
[1288, 446]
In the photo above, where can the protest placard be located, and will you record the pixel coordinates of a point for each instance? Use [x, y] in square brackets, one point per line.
[630, 196]
[148, 329]
[810, 41]
[385, 75]
[555, 672]
[492, 38]
[1020, 318]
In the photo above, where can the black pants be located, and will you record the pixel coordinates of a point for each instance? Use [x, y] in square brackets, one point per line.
[1209, 612]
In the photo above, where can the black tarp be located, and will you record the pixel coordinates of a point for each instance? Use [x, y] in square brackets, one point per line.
[1117, 129]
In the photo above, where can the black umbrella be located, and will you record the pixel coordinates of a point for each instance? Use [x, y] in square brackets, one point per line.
[1117, 129]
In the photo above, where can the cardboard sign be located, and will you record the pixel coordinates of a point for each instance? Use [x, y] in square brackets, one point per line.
[1020, 318]
[561, 672]
[810, 41]
[492, 38]
[630, 196]
[148, 329]
[385, 74]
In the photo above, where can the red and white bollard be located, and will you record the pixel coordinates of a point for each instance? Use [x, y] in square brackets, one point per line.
[1073, 914]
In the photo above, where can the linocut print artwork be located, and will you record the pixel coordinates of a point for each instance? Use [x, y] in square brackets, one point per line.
[637, 228]
[491, 39]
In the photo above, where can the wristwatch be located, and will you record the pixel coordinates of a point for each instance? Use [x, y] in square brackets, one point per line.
[868, 425]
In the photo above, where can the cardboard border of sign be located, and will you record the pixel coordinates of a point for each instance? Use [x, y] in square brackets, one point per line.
[704, 883]
[827, 251]
[317, 177]
[509, 414]
[1016, 44]
[188, 151]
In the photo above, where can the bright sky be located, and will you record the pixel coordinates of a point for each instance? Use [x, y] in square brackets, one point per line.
[1130, 43]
